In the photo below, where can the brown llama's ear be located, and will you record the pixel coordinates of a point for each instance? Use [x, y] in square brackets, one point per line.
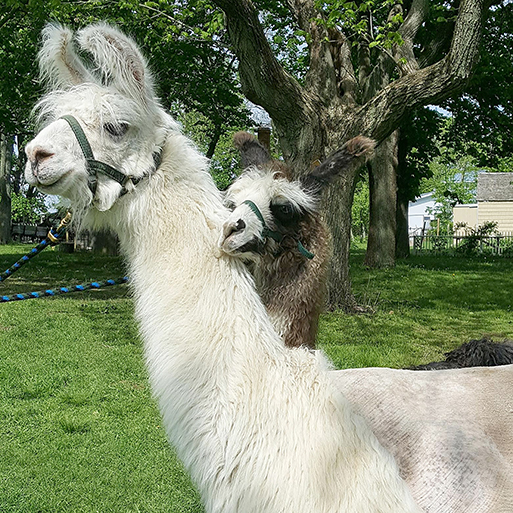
[348, 158]
[251, 151]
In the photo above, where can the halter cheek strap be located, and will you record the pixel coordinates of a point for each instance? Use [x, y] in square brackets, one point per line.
[277, 236]
[95, 166]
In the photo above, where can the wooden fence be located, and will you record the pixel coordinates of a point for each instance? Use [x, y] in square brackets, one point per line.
[495, 244]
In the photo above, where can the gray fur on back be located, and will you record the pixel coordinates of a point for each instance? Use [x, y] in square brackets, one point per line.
[451, 432]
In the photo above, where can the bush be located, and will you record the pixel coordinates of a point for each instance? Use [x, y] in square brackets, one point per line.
[506, 247]
[472, 242]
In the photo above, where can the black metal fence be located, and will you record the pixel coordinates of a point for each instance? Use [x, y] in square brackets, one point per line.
[33, 234]
[463, 244]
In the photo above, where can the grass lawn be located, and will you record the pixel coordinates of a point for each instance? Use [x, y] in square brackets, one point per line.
[79, 431]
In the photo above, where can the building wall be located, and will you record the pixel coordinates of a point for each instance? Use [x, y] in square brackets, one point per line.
[499, 211]
[418, 215]
[465, 214]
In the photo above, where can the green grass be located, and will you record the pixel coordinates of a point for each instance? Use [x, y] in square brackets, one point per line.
[79, 430]
[424, 307]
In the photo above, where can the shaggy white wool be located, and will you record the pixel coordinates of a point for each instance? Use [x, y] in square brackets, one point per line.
[260, 428]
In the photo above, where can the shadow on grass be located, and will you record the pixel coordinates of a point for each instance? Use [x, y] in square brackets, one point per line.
[478, 283]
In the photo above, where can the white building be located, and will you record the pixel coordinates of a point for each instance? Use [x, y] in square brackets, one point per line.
[420, 213]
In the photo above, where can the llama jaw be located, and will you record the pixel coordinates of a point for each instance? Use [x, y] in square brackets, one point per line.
[51, 183]
[238, 239]
[248, 251]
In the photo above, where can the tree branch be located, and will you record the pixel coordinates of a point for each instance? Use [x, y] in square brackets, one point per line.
[330, 72]
[416, 16]
[263, 79]
[381, 115]
[293, 108]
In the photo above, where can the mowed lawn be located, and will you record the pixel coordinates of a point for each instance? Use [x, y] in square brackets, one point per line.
[79, 430]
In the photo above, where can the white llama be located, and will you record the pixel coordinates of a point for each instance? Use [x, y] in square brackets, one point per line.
[260, 428]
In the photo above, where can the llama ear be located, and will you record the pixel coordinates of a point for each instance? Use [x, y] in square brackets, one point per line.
[119, 60]
[60, 66]
[251, 151]
[348, 158]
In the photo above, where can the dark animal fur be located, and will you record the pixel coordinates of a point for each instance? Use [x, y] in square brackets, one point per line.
[476, 353]
[290, 285]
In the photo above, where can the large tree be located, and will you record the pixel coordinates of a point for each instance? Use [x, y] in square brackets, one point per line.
[361, 78]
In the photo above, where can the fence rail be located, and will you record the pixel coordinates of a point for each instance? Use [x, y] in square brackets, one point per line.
[492, 244]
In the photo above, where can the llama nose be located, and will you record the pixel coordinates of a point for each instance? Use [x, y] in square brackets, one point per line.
[36, 155]
[232, 228]
[41, 154]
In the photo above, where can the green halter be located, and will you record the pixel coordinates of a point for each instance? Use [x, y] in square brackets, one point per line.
[277, 236]
[95, 166]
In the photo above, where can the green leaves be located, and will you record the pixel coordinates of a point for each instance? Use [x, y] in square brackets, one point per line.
[26, 210]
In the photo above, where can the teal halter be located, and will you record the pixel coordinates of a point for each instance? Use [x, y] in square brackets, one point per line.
[95, 166]
[277, 236]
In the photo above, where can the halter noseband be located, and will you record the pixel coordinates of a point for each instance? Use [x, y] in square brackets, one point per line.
[95, 166]
[277, 236]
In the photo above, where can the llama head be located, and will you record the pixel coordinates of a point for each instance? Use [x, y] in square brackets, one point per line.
[113, 104]
[268, 207]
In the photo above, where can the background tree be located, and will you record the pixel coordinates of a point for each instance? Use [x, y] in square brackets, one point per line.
[325, 71]
[416, 149]
[368, 65]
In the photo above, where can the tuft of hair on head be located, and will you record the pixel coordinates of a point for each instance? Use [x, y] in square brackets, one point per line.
[360, 146]
[252, 152]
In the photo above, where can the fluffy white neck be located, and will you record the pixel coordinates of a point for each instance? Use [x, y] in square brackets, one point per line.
[259, 427]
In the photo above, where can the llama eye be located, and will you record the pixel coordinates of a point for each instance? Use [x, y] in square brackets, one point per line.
[285, 213]
[284, 210]
[116, 129]
[230, 205]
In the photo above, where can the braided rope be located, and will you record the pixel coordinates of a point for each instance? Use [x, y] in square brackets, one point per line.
[63, 290]
[51, 239]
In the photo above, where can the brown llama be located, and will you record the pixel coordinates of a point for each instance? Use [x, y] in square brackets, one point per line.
[276, 227]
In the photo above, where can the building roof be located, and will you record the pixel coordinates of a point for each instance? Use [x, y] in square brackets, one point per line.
[495, 187]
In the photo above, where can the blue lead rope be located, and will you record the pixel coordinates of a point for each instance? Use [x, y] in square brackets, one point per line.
[63, 290]
[51, 239]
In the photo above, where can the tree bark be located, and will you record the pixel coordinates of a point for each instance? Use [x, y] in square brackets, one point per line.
[383, 198]
[402, 238]
[5, 196]
[315, 118]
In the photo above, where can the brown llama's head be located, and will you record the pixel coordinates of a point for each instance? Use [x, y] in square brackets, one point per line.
[268, 206]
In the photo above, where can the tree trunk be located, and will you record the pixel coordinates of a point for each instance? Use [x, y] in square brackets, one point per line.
[337, 203]
[402, 242]
[383, 198]
[5, 196]
[315, 116]
[213, 142]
